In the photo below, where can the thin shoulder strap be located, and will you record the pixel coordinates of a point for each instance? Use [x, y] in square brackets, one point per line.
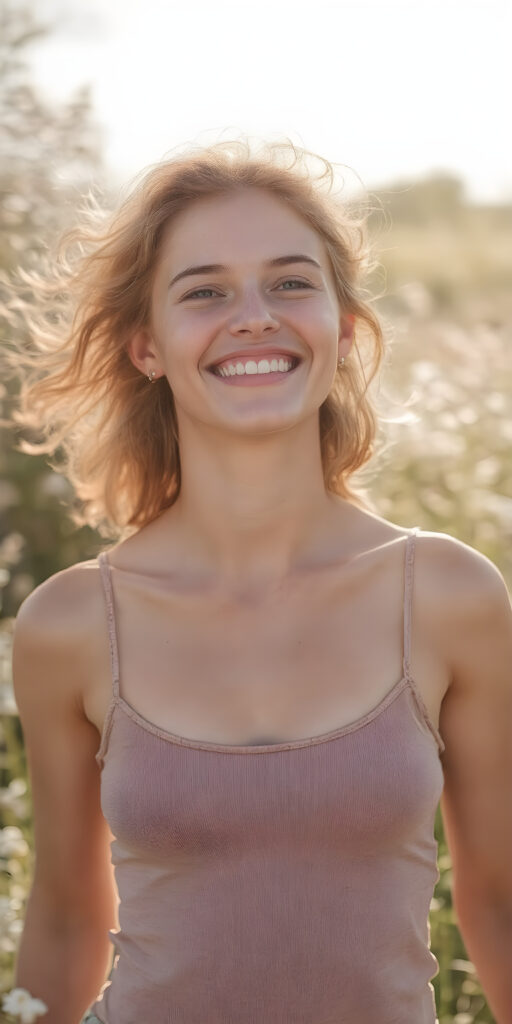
[106, 580]
[408, 584]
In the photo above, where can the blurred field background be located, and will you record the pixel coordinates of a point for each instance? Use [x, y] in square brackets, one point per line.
[444, 464]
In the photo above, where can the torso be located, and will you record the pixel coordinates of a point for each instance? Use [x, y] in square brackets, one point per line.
[314, 656]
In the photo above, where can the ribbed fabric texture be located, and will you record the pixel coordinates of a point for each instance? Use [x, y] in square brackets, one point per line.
[280, 884]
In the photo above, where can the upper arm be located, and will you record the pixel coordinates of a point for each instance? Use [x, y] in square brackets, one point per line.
[476, 726]
[73, 877]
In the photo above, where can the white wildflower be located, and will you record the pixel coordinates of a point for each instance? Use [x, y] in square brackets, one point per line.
[12, 796]
[21, 1004]
[12, 843]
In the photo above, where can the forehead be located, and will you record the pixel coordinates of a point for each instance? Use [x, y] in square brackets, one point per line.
[249, 225]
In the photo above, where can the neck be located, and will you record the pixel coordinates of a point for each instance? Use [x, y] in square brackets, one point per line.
[255, 511]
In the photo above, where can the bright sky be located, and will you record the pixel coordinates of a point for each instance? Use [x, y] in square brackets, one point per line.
[393, 90]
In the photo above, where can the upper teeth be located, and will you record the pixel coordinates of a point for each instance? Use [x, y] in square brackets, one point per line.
[250, 366]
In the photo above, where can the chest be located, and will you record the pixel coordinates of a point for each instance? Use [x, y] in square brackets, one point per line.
[378, 784]
[306, 659]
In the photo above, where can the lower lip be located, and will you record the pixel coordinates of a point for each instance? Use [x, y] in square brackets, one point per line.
[254, 380]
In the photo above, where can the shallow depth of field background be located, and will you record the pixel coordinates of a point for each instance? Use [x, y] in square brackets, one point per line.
[443, 463]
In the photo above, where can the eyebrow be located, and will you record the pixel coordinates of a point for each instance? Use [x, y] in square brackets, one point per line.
[217, 268]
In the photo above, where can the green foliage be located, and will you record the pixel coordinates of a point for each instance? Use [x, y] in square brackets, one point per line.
[48, 156]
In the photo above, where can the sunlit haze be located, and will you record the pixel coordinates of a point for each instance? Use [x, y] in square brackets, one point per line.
[393, 90]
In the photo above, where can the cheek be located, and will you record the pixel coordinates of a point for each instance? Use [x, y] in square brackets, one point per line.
[182, 345]
[321, 326]
[319, 313]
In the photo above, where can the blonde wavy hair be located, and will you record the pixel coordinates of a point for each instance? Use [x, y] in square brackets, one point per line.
[117, 437]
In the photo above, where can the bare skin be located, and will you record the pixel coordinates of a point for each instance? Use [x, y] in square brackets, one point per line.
[260, 608]
[285, 665]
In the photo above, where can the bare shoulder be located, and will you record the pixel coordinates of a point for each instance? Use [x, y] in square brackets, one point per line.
[454, 571]
[447, 571]
[61, 605]
[60, 625]
[462, 598]
[60, 594]
[57, 637]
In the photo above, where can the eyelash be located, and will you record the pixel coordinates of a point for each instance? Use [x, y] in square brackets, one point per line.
[290, 280]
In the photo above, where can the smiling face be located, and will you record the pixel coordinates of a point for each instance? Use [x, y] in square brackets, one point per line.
[265, 291]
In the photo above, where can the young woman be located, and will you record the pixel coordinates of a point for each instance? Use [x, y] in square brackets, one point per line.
[251, 704]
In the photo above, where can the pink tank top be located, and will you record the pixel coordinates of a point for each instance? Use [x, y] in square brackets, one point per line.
[281, 884]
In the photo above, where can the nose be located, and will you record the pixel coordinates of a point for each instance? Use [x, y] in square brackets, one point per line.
[253, 316]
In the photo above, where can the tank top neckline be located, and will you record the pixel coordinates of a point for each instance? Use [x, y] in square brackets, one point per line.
[406, 680]
[257, 748]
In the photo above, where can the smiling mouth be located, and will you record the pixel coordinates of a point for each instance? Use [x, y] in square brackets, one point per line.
[254, 378]
[240, 369]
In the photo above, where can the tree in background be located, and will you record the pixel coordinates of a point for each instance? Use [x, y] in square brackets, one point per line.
[48, 156]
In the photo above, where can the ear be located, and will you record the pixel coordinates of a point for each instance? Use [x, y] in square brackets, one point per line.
[346, 335]
[143, 352]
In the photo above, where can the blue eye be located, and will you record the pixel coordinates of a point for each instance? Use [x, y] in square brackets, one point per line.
[293, 280]
[193, 295]
[200, 292]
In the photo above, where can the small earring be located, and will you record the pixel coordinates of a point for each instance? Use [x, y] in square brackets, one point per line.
[341, 362]
[151, 376]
